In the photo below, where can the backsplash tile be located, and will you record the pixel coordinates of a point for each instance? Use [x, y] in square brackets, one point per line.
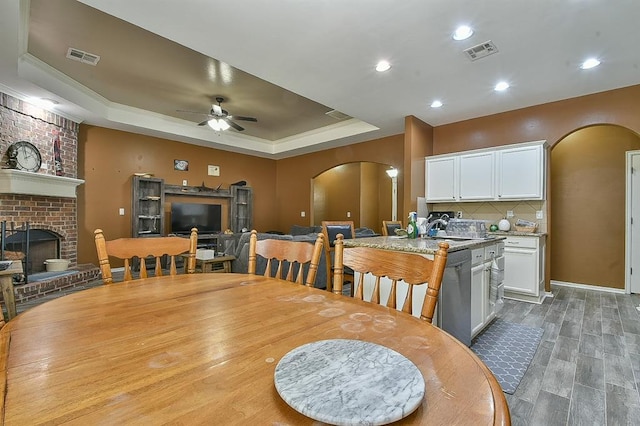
[495, 210]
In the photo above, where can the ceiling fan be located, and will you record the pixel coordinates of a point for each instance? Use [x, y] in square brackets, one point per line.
[220, 119]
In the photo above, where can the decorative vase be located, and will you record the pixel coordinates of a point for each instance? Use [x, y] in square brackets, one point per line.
[504, 225]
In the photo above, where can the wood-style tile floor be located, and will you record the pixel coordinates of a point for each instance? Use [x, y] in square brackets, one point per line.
[586, 370]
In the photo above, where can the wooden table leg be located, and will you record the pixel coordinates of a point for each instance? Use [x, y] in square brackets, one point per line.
[6, 283]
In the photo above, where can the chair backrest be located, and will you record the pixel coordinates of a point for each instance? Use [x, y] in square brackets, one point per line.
[389, 227]
[128, 248]
[330, 230]
[288, 257]
[412, 268]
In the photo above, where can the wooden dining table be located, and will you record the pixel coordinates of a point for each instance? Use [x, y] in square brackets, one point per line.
[203, 348]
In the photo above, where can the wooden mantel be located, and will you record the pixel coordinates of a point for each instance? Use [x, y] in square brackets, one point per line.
[28, 183]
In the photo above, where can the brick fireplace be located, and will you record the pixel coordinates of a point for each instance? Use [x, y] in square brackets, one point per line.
[45, 200]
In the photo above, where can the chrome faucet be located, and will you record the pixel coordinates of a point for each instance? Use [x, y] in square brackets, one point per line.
[442, 220]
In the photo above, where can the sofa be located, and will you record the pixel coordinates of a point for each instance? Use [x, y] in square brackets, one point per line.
[308, 234]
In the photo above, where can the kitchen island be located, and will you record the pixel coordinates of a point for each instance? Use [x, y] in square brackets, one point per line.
[464, 308]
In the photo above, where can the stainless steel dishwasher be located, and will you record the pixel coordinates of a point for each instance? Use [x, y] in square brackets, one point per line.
[454, 299]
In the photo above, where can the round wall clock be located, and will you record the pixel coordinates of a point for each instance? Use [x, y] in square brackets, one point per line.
[26, 156]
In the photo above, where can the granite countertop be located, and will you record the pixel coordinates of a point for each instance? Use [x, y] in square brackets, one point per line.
[420, 245]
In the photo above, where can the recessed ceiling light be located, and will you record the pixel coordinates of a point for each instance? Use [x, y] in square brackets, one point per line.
[502, 86]
[436, 104]
[463, 32]
[590, 63]
[383, 66]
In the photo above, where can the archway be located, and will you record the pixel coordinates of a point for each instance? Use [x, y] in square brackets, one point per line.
[359, 191]
[587, 206]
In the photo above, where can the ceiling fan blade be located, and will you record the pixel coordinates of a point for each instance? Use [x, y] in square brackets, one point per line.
[203, 123]
[234, 125]
[241, 118]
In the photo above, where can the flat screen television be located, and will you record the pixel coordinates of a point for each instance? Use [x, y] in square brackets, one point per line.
[206, 217]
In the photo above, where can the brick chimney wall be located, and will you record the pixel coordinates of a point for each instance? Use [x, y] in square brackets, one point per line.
[21, 121]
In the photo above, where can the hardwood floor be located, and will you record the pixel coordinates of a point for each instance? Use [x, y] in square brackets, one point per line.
[586, 370]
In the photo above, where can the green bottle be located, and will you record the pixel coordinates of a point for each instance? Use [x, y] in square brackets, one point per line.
[412, 227]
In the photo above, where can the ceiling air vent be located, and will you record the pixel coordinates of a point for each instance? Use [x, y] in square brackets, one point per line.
[337, 114]
[481, 50]
[82, 56]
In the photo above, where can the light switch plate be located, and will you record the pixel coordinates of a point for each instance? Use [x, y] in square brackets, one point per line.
[539, 214]
[509, 213]
[302, 214]
[121, 211]
[213, 170]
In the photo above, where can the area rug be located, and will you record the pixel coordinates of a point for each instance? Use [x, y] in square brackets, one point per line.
[507, 349]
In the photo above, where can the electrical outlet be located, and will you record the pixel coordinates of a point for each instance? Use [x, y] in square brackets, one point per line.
[459, 214]
[348, 214]
[509, 213]
[121, 211]
[302, 214]
[184, 182]
[539, 214]
[213, 170]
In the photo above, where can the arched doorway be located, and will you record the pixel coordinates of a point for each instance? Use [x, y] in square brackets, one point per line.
[587, 206]
[359, 191]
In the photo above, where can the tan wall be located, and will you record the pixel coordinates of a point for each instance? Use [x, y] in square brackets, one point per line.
[418, 144]
[552, 122]
[108, 158]
[295, 175]
[588, 196]
[340, 187]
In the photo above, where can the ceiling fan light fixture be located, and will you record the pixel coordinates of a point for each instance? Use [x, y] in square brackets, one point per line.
[223, 124]
[214, 124]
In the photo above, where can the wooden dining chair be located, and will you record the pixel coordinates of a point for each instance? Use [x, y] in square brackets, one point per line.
[389, 227]
[141, 248]
[330, 230]
[411, 268]
[288, 257]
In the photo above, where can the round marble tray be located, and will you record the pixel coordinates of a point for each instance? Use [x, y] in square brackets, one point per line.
[347, 382]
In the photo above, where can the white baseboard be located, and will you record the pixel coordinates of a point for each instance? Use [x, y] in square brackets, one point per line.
[588, 287]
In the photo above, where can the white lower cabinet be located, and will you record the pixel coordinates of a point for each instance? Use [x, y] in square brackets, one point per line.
[478, 291]
[524, 268]
[482, 310]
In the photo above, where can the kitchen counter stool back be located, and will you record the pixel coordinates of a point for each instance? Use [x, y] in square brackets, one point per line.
[411, 268]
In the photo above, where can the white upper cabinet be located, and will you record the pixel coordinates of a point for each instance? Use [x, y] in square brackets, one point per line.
[520, 173]
[477, 181]
[441, 181]
[512, 172]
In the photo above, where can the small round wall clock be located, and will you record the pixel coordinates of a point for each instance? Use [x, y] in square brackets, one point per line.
[25, 156]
